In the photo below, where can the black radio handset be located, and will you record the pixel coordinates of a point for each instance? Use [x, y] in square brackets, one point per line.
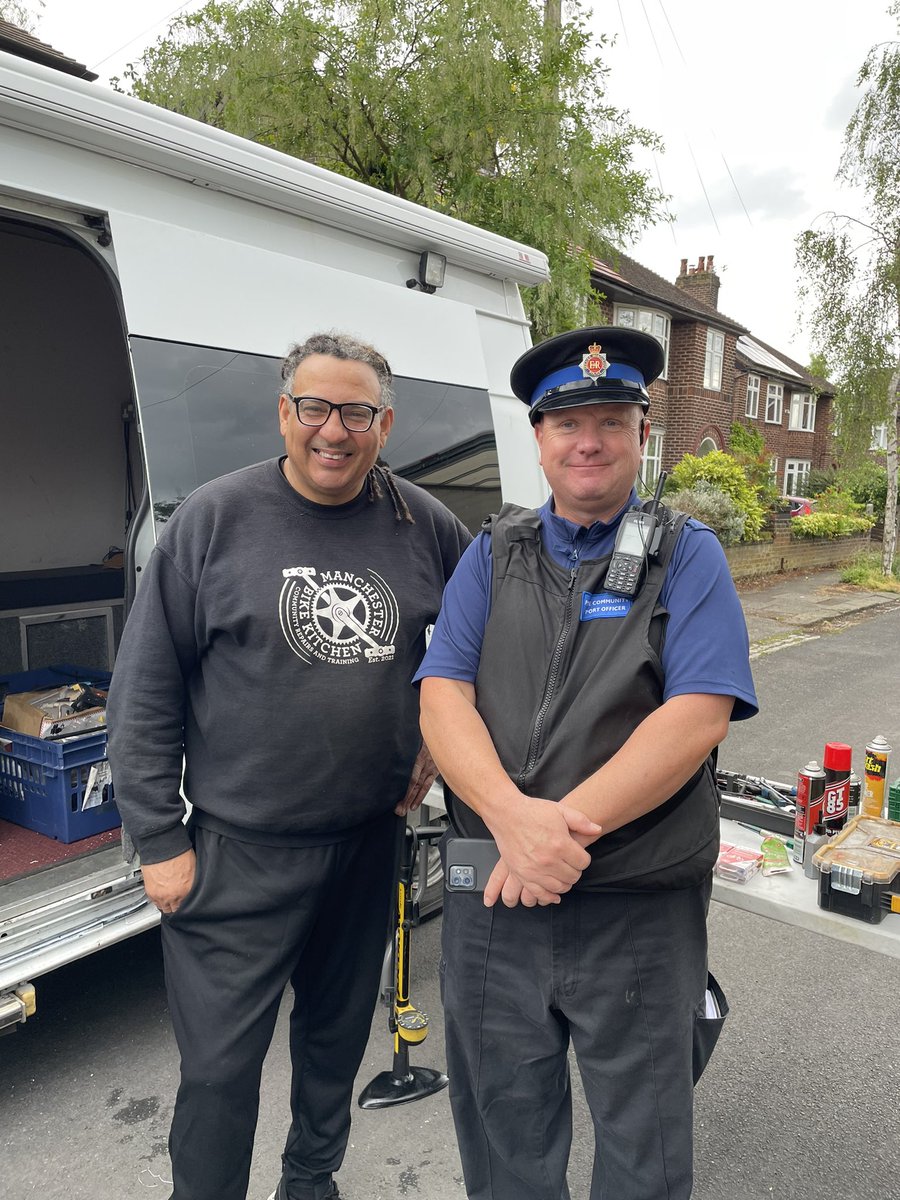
[637, 541]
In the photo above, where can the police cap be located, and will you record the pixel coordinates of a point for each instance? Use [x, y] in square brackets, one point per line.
[602, 364]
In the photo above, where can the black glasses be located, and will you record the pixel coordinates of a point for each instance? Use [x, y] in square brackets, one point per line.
[357, 418]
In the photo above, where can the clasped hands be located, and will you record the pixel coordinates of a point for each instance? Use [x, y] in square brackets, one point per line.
[542, 852]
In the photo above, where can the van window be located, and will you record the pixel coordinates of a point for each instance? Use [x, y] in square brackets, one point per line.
[206, 412]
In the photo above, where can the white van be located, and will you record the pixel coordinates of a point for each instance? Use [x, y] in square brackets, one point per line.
[153, 272]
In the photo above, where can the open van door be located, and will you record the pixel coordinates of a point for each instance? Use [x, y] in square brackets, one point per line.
[73, 493]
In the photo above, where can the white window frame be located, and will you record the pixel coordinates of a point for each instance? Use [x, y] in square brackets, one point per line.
[652, 462]
[647, 320]
[715, 357]
[879, 437]
[802, 414]
[751, 408]
[795, 471]
[774, 403]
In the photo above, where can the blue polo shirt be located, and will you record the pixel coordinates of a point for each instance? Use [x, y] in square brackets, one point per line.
[706, 645]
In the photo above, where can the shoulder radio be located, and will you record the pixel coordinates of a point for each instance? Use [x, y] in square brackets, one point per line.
[637, 540]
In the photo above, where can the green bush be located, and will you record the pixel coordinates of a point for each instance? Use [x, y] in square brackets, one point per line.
[713, 507]
[819, 480]
[833, 500]
[727, 474]
[867, 484]
[748, 448]
[829, 524]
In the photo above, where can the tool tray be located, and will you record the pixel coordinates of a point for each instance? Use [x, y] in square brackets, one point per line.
[858, 870]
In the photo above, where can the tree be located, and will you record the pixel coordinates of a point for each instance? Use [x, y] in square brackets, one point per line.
[21, 13]
[481, 111]
[851, 276]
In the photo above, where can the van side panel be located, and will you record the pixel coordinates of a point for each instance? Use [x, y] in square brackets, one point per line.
[504, 339]
[183, 285]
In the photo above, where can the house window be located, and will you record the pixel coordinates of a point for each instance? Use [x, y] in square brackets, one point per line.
[648, 320]
[752, 407]
[706, 447]
[803, 412]
[715, 352]
[653, 459]
[774, 398]
[879, 437]
[796, 471]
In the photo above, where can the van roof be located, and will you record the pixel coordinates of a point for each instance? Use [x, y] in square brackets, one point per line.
[63, 108]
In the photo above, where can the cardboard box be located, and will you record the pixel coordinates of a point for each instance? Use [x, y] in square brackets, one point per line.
[47, 714]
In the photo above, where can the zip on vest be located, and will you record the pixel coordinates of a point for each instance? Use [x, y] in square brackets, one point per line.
[552, 676]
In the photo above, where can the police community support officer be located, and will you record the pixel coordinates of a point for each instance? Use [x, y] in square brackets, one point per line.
[575, 727]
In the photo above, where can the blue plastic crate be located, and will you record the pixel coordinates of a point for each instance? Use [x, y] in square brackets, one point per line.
[42, 785]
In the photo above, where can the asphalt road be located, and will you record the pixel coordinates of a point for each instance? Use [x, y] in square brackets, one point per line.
[798, 1102]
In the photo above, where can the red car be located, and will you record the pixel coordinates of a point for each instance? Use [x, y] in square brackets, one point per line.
[801, 506]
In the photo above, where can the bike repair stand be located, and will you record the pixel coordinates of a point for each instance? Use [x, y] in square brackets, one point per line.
[408, 1024]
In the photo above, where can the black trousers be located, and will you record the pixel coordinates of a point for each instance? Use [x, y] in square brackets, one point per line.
[257, 918]
[621, 976]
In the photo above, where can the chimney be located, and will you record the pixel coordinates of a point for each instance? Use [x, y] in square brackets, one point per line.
[701, 281]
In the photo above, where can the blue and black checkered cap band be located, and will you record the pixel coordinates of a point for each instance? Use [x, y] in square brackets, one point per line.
[557, 381]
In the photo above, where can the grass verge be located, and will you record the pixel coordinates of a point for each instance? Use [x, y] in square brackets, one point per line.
[866, 572]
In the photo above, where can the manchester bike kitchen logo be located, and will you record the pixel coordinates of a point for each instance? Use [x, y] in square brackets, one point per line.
[338, 617]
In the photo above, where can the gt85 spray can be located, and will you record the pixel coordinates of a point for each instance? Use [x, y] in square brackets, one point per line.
[877, 753]
[836, 797]
[810, 787]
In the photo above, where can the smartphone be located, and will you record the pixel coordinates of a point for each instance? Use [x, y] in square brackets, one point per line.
[468, 863]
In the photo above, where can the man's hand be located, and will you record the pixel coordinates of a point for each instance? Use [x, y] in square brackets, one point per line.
[511, 890]
[539, 852]
[167, 883]
[424, 773]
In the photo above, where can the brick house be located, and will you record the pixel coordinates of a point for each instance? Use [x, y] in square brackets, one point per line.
[715, 373]
[789, 407]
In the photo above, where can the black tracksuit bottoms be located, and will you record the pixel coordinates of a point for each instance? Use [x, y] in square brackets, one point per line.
[620, 976]
[257, 918]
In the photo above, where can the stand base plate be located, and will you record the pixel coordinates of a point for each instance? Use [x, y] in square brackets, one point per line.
[387, 1089]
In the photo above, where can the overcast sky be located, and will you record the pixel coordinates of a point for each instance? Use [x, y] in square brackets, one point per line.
[751, 102]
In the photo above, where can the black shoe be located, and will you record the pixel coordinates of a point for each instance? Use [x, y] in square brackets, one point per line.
[280, 1192]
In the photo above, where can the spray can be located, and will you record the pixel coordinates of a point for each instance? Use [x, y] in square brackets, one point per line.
[810, 786]
[877, 753]
[814, 840]
[855, 795]
[836, 798]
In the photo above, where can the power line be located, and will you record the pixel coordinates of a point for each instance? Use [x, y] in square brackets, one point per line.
[149, 29]
[703, 187]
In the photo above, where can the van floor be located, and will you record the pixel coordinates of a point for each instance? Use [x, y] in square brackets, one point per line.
[24, 852]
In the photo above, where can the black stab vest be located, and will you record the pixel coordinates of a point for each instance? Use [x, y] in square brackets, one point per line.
[560, 695]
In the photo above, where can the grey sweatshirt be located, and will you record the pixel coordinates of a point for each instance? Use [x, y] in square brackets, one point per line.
[271, 647]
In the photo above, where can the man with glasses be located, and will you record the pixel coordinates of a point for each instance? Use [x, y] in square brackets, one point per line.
[573, 708]
[270, 648]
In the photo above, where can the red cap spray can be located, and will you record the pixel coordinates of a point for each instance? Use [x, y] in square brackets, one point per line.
[810, 787]
[836, 798]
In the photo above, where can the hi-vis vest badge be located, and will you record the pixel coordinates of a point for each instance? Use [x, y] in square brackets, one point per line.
[338, 617]
[595, 364]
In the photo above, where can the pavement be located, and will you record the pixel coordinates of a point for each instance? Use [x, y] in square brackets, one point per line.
[797, 605]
